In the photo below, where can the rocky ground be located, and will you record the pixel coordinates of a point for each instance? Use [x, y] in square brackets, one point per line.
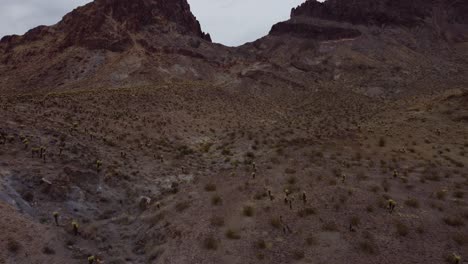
[204, 176]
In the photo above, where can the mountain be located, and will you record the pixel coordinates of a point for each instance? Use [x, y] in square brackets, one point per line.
[119, 43]
[370, 45]
[108, 42]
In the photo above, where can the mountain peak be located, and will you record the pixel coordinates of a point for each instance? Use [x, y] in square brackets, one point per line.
[113, 24]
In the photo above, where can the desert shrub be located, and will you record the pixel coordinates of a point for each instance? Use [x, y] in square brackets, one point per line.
[232, 234]
[441, 194]
[13, 246]
[382, 142]
[311, 240]
[298, 254]
[248, 211]
[460, 238]
[355, 221]
[306, 212]
[217, 221]
[182, 206]
[210, 187]
[454, 221]
[216, 200]
[48, 251]
[412, 203]
[210, 243]
[330, 227]
[401, 228]
[275, 222]
[459, 194]
[368, 247]
[260, 244]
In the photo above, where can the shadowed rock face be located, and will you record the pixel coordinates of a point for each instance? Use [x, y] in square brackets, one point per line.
[383, 12]
[313, 32]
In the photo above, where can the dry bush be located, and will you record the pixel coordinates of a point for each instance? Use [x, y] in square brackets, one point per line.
[412, 202]
[401, 228]
[306, 212]
[13, 246]
[232, 234]
[210, 243]
[248, 211]
[275, 222]
[217, 221]
[210, 187]
[454, 221]
[330, 227]
[216, 200]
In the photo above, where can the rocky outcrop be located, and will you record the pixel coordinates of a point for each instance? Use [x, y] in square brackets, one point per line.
[303, 30]
[112, 24]
[384, 12]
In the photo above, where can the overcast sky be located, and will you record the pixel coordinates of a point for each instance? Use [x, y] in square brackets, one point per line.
[231, 22]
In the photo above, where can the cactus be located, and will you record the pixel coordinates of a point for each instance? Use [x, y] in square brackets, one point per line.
[91, 259]
[253, 175]
[56, 216]
[75, 227]
[395, 173]
[391, 205]
[42, 150]
[26, 143]
[98, 165]
[270, 195]
[456, 259]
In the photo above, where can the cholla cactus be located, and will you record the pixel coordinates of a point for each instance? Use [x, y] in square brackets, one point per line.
[270, 195]
[391, 205]
[91, 259]
[75, 227]
[26, 143]
[456, 259]
[253, 175]
[98, 165]
[395, 173]
[287, 192]
[56, 217]
[42, 150]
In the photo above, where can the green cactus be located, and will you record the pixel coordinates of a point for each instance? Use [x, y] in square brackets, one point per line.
[98, 165]
[75, 227]
[391, 205]
[56, 217]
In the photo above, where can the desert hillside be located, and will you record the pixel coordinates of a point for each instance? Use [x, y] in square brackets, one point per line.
[340, 137]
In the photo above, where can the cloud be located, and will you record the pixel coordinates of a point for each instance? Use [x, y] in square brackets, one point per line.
[230, 22]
